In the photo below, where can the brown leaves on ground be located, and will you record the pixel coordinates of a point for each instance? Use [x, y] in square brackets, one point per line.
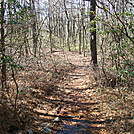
[63, 85]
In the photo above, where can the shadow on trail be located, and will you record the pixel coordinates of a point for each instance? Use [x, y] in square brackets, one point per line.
[80, 127]
[85, 121]
[77, 75]
[76, 125]
[69, 102]
[78, 89]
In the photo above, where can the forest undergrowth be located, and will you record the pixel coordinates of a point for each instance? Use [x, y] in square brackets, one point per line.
[64, 85]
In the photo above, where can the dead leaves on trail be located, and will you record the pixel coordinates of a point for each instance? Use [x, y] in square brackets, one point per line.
[63, 85]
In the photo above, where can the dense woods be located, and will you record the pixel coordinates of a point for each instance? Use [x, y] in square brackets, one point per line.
[47, 47]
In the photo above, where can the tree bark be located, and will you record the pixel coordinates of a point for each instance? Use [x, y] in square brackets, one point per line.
[68, 27]
[3, 67]
[93, 46]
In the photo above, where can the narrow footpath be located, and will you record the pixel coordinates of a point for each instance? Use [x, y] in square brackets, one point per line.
[77, 98]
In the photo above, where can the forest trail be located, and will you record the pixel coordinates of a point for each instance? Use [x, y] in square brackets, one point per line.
[59, 95]
[76, 101]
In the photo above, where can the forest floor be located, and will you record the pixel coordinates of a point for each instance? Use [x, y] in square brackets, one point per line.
[76, 100]
[66, 98]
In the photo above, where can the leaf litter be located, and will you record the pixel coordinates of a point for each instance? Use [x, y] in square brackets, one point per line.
[63, 87]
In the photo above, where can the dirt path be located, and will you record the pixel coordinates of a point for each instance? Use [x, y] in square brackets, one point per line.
[76, 98]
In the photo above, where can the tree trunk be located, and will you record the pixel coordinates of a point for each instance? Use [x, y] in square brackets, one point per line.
[3, 67]
[80, 41]
[68, 27]
[34, 28]
[93, 33]
[50, 26]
